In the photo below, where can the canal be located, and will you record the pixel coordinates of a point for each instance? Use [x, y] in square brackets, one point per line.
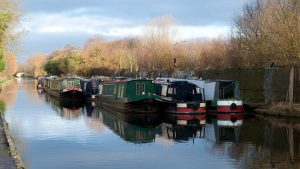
[51, 134]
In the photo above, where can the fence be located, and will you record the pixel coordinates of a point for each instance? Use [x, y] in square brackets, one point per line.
[251, 81]
[282, 84]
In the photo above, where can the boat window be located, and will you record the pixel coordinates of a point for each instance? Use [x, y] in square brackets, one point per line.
[164, 90]
[100, 89]
[70, 84]
[122, 91]
[138, 89]
[226, 90]
[119, 91]
[143, 88]
[108, 90]
[115, 89]
[84, 88]
[198, 90]
[170, 90]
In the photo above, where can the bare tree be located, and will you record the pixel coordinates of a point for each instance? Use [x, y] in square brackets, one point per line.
[267, 31]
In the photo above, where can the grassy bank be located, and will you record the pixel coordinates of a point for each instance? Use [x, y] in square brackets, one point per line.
[7, 80]
[284, 109]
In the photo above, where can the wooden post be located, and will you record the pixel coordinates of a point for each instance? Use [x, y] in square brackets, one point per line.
[291, 144]
[291, 84]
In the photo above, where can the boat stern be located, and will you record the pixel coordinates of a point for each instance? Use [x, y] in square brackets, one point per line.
[230, 106]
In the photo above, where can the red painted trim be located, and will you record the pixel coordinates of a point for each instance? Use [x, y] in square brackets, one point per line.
[191, 117]
[201, 110]
[201, 117]
[184, 110]
[230, 109]
[185, 117]
[238, 116]
[190, 110]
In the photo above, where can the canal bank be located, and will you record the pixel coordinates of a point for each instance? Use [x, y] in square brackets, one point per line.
[9, 158]
[6, 81]
[281, 109]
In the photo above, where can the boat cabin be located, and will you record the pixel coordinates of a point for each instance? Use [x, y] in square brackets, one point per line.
[181, 91]
[132, 90]
[90, 86]
[221, 89]
[213, 90]
[62, 84]
[70, 82]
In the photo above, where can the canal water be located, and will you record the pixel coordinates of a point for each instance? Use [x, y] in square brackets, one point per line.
[51, 134]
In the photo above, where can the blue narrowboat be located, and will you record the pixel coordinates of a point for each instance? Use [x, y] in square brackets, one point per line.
[180, 97]
[90, 88]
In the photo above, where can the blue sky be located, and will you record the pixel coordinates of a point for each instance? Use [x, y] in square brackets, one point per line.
[52, 24]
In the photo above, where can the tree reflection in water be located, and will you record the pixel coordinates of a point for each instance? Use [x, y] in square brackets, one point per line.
[263, 142]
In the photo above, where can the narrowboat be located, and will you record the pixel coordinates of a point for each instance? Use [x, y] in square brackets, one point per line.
[180, 97]
[40, 83]
[68, 87]
[90, 88]
[128, 96]
[221, 96]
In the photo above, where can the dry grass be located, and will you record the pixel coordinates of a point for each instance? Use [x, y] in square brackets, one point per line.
[284, 109]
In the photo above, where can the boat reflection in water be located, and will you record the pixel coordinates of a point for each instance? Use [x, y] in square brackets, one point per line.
[183, 127]
[225, 129]
[89, 108]
[135, 128]
[68, 109]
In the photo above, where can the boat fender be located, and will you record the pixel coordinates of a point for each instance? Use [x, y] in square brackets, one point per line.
[233, 119]
[233, 106]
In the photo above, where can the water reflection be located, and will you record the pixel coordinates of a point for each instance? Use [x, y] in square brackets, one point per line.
[95, 119]
[2, 106]
[275, 141]
[131, 127]
[7, 94]
[183, 127]
[80, 135]
[224, 130]
[67, 109]
[89, 108]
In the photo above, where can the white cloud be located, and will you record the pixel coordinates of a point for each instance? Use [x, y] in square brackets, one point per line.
[71, 22]
[78, 22]
[191, 32]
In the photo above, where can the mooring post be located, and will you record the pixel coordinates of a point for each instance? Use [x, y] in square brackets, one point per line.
[291, 144]
[291, 84]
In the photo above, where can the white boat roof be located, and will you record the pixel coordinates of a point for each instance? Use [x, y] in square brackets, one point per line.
[199, 83]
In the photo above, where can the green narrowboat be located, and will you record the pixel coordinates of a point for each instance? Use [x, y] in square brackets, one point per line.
[128, 96]
[68, 87]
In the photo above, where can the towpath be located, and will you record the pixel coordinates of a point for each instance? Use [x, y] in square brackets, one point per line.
[6, 161]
